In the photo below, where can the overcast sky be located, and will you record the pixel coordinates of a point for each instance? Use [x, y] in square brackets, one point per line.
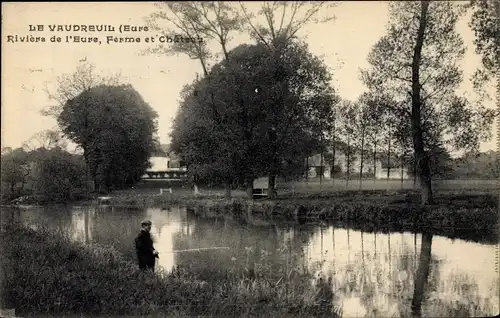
[27, 67]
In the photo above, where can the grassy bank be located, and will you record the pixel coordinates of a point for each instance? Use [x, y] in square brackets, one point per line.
[476, 221]
[151, 197]
[455, 214]
[45, 273]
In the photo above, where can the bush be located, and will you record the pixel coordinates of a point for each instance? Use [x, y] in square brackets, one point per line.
[58, 176]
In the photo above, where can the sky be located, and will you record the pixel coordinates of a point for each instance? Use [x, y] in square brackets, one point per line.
[29, 67]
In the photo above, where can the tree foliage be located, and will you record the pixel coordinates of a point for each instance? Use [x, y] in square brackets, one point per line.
[481, 166]
[441, 163]
[58, 176]
[116, 129]
[204, 22]
[419, 58]
[485, 23]
[68, 86]
[49, 175]
[247, 133]
[284, 19]
[46, 139]
[14, 172]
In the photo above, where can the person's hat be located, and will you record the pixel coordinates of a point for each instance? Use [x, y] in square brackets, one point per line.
[146, 222]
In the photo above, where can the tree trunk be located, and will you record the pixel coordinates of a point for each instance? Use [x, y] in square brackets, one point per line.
[307, 169]
[249, 186]
[194, 185]
[402, 169]
[422, 274]
[348, 161]
[224, 48]
[361, 160]
[321, 172]
[388, 160]
[203, 63]
[333, 162]
[227, 189]
[414, 172]
[271, 190]
[375, 161]
[402, 178]
[416, 103]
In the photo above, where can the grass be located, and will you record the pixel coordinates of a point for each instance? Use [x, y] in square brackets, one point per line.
[45, 273]
[148, 194]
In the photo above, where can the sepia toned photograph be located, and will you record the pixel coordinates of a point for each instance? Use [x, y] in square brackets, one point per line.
[250, 158]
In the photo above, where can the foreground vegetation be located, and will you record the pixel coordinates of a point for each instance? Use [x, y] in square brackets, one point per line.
[45, 273]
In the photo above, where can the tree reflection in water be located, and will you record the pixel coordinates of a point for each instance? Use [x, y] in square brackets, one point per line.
[422, 274]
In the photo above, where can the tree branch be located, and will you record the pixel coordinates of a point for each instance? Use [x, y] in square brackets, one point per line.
[252, 26]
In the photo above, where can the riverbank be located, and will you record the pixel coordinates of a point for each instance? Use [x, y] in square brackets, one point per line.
[454, 214]
[45, 273]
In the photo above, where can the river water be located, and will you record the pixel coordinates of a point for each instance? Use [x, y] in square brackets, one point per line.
[373, 274]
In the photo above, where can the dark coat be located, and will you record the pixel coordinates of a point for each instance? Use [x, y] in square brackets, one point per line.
[144, 249]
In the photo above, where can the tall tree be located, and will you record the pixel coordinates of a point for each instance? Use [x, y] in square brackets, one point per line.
[283, 20]
[348, 111]
[68, 86]
[420, 59]
[116, 129]
[373, 115]
[236, 129]
[391, 122]
[333, 139]
[365, 126]
[226, 151]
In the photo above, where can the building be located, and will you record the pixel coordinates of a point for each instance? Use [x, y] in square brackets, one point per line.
[316, 164]
[165, 164]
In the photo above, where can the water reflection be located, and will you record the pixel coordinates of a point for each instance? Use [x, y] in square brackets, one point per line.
[372, 274]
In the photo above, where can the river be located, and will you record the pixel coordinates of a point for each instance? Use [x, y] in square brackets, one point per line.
[373, 274]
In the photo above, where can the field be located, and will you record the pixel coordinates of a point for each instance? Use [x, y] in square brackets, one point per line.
[314, 186]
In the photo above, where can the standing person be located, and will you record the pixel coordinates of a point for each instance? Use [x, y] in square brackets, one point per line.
[146, 254]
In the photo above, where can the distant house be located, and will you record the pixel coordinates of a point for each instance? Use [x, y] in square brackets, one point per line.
[316, 164]
[158, 164]
[164, 160]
